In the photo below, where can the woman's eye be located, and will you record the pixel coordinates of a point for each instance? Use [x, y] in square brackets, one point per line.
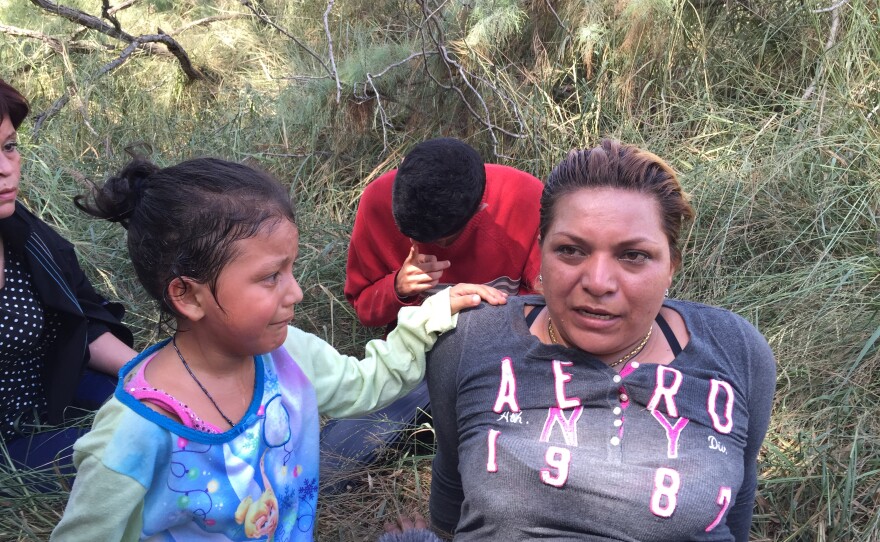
[10, 146]
[634, 257]
[568, 250]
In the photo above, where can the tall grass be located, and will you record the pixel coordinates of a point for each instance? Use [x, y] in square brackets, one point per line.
[768, 110]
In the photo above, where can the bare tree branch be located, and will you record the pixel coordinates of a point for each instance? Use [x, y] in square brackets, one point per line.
[558, 20]
[832, 39]
[831, 8]
[423, 54]
[84, 19]
[106, 68]
[431, 31]
[206, 21]
[116, 9]
[94, 23]
[107, 14]
[53, 43]
[330, 51]
[265, 19]
[383, 118]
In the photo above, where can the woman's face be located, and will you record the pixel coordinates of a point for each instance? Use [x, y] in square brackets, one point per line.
[10, 168]
[605, 267]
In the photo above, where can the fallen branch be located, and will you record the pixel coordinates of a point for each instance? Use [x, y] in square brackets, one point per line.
[110, 15]
[89, 21]
[53, 43]
[116, 9]
[110, 66]
[206, 21]
[84, 19]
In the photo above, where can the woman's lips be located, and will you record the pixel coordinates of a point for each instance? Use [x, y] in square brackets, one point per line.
[594, 318]
[8, 194]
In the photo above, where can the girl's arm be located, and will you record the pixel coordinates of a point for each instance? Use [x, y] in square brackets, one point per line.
[107, 503]
[346, 386]
[103, 505]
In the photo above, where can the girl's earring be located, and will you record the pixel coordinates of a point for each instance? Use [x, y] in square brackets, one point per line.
[541, 279]
[666, 293]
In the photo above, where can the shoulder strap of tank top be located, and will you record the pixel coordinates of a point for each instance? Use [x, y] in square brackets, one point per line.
[670, 336]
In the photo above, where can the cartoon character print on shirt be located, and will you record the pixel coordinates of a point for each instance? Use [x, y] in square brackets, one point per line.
[651, 431]
[259, 512]
[206, 497]
[259, 518]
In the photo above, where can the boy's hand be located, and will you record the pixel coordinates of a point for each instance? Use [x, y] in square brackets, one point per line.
[419, 273]
[464, 296]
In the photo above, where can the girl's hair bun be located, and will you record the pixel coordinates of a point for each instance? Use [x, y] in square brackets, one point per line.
[119, 196]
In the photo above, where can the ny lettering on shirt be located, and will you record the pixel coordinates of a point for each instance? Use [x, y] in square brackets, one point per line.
[564, 420]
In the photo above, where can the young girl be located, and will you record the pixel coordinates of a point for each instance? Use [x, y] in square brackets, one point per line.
[213, 433]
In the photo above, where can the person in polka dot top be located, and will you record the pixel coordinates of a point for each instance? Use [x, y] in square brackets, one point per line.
[61, 342]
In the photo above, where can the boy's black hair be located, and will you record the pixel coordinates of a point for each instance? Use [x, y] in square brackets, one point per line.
[438, 188]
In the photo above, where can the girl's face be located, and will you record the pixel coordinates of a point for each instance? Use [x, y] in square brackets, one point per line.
[256, 292]
[605, 266]
[10, 168]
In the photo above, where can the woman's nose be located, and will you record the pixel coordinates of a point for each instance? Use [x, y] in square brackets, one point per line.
[599, 275]
[8, 165]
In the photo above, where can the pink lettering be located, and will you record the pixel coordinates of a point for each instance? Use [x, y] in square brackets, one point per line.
[491, 464]
[556, 458]
[666, 393]
[560, 379]
[568, 425]
[672, 432]
[665, 495]
[506, 389]
[724, 501]
[714, 386]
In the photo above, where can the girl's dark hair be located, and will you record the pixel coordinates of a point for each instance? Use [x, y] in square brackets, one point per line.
[184, 220]
[615, 165]
[12, 103]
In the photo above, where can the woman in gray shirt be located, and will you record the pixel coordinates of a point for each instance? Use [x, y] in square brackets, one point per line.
[601, 410]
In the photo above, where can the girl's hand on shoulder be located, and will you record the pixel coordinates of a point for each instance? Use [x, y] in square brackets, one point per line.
[464, 296]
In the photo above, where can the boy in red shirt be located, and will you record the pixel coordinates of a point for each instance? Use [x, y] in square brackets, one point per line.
[442, 218]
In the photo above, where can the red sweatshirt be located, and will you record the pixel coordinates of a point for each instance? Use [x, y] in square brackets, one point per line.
[498, 245]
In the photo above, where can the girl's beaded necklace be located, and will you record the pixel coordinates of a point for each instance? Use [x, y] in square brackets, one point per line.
[208, 395]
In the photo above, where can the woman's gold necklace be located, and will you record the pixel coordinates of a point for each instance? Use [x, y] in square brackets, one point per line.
[624, 359]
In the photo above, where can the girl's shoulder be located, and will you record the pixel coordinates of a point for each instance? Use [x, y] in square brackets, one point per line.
[124, 441]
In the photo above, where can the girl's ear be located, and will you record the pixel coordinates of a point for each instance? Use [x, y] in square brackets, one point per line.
[186, 298]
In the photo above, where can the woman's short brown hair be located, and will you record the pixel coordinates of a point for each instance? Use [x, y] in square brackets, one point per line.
[627, 167]
[12, 103]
